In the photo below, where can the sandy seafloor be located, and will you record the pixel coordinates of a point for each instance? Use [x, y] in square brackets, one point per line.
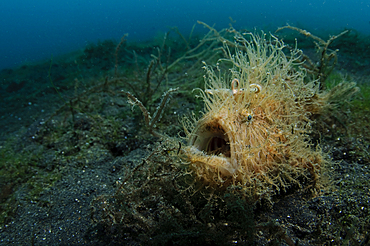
[61, 162]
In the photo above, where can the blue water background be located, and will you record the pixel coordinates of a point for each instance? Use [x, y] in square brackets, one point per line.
[31, 30]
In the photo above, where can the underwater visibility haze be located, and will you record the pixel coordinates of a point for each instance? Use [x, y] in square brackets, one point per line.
[34, 30]
[155, 122]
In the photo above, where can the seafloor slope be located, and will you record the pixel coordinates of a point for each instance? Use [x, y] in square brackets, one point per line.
[79, 167]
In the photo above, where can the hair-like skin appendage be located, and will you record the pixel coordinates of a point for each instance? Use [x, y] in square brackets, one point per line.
[255, 129]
